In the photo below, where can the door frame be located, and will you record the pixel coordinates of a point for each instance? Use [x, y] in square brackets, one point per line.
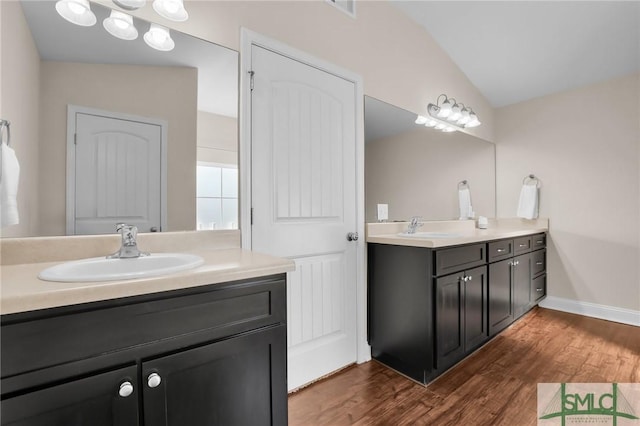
[72, 112]
[248, 39]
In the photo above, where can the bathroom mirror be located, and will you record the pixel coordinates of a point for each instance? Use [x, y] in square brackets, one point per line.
[193, 89]
[416, 170]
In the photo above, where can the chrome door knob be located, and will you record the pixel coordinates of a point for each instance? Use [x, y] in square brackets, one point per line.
[352, 236]
[154, 380]
[126, 389]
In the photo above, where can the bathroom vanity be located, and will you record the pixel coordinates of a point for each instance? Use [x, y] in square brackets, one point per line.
[432, 302]
[201, 347]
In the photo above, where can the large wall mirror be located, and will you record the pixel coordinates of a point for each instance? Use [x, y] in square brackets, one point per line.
[416, 170]
[192, 90]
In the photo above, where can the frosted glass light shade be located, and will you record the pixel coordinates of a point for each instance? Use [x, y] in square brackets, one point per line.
[455, 114]
[171, 9]
[445, 109]
[421, 119]
[77, 12]
[464, 117]
[159, 38]
[130, 4]
[120, 25]
[473, 120]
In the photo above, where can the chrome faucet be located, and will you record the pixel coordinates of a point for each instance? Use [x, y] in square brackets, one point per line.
[414, 224]
[129, 247]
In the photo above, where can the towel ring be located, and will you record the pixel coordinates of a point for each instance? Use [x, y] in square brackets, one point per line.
[7, 124]
[463, 184]
[531, 178]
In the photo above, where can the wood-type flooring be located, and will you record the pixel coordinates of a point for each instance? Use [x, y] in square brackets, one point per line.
[496, 385]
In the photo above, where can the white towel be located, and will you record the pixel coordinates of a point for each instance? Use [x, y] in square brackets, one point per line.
[464, 200]
[528, 203]
[9, 177]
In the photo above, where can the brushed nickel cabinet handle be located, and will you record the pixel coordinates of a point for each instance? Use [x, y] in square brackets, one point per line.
[539, 263]
[501, 250]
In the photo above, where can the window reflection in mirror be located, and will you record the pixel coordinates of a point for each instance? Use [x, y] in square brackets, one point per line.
[217, 196]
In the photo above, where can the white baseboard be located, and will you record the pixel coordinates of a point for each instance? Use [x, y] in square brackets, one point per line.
[609, 313]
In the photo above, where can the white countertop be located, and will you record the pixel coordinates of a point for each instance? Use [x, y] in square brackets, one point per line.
[467, 233]
[22, 290]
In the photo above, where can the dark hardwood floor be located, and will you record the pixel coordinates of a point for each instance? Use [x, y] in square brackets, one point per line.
[497, 385]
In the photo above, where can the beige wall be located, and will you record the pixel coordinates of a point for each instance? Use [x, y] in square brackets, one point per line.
[19, 104]
[417, 174]
[110, 87]
[399, 61]
[584, 146]
[217, 138]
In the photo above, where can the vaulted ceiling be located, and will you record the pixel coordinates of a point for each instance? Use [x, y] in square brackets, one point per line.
[513, 51]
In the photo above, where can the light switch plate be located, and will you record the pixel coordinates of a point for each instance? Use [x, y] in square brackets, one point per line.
[383, 212]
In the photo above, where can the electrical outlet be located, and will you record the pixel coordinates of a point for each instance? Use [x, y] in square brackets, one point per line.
[383, 212]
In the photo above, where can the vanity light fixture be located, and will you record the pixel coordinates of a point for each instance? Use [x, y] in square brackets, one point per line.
[120, 25]
[130, 4]
[77, 12]
[171, 9]
[159, 38]
[449, 116]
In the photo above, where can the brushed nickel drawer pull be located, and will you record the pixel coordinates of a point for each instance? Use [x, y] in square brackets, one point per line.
[539, 289]
[523, 245]
[501, 250]
[539, 263]
[539, 242]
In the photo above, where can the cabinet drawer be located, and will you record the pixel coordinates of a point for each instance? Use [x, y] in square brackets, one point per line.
[538, 288]
[522, 245]
[539, 241]
[538, 262]
[499, 250]
[84, 331]
[457, 259]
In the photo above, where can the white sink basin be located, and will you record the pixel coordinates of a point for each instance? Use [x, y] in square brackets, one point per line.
[430, 235]
[103, 269]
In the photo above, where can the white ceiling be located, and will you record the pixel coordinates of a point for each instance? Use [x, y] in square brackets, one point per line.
[518, 50]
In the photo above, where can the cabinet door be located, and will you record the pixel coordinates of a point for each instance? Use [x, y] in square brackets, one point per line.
[522, 284]
[476, 331]
[449, 321]
[500, 296]
[239, 381]
[93, 400]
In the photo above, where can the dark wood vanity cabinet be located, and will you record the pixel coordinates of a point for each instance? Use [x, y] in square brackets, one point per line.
[461, 315]
[401, 316]
[429, 308]
[211, 355]
[517, 283]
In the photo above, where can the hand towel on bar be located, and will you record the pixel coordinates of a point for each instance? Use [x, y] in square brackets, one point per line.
[528, 203]
[464, 200]
[9, 177]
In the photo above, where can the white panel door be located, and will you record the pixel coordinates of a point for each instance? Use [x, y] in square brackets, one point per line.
[117, 174]
[304, 204]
